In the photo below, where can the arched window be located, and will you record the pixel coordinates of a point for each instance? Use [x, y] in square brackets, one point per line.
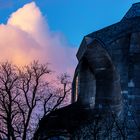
[77, 87]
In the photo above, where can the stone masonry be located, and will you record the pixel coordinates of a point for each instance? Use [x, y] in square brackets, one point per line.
[106, 83]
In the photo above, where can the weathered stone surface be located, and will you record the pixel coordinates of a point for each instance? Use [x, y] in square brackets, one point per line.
[133, 12]
[106, 80]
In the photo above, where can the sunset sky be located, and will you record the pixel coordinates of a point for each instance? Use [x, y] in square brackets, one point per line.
[51, 30]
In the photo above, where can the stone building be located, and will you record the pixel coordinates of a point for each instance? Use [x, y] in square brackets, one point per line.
[106, 85]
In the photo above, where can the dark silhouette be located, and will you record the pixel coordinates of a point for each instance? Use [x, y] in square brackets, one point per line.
[106, 86]
[26, 96]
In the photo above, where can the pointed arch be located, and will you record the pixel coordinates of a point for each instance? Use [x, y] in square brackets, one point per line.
[97, 73]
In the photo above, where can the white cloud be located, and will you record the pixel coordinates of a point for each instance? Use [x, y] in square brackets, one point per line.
[27, 37]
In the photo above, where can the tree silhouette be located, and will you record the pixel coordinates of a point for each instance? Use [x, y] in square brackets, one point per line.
[26, 95]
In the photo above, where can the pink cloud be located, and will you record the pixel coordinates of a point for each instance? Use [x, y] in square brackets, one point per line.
[27, 37]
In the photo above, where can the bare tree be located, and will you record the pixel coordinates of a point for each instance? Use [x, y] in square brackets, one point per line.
[23, 93]
[60, 95]
[8, 94]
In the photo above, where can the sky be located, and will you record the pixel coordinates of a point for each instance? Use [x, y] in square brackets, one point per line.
[51, 30]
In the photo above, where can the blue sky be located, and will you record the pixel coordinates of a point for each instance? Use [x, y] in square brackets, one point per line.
[74, 18]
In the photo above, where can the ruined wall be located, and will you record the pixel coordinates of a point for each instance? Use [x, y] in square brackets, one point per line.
[124, 53]
[107, 75]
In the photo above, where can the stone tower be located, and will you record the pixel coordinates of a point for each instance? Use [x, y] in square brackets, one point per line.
[106, 81]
